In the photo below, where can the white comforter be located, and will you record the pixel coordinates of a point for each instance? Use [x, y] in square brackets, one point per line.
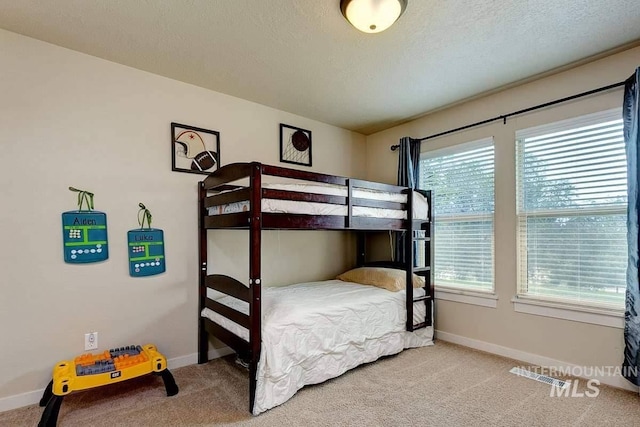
[315, 331]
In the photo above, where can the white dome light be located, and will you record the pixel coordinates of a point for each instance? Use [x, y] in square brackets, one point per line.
[372, 16]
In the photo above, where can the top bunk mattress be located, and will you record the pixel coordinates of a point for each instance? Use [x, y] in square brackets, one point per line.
[420, 204]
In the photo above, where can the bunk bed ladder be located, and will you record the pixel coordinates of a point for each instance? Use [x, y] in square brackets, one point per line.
[421, 234]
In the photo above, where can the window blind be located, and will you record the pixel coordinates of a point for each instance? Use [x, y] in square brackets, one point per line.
[571, 206]
[462, 181]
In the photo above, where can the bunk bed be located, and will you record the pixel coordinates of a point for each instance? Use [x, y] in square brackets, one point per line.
[313, 202]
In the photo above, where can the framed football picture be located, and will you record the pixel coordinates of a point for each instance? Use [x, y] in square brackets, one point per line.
[194, 150]
[295, 145]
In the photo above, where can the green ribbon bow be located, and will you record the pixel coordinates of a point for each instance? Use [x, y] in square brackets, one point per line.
[83, 197]
[144, 214]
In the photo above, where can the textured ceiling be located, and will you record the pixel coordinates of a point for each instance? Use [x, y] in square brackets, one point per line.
[302, 56]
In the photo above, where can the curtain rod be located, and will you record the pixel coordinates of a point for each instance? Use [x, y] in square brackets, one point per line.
[504, 117]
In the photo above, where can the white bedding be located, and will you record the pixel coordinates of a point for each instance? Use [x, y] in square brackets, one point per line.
[420, 208]
[315, 331]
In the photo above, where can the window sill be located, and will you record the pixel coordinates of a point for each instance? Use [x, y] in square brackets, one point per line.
[467, 297]
[596, 316]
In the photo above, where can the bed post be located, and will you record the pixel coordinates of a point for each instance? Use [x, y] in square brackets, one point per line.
[408, 260]
[203, 336]
[255, 282]
[429, 279]
[361, 248]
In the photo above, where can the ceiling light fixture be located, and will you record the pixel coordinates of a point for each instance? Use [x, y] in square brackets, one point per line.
[372, 16]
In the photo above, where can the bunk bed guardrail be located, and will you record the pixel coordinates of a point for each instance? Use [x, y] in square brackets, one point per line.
[218, 183]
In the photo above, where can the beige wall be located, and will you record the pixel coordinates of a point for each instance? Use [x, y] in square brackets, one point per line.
[572, 342]
[69, 119]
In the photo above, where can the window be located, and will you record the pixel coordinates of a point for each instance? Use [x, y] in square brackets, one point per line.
[462, 181]
[572, 200]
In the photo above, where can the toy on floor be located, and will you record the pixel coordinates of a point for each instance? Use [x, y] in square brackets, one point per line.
[94, 370]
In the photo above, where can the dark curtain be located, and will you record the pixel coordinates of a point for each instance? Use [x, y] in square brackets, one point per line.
[408, 176]
[630, 113]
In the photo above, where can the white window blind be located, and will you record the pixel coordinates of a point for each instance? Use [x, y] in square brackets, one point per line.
[462, 181]
[572, 200]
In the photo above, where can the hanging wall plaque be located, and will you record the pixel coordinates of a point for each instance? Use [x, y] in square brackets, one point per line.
[295, 145]
[146, 247]
[84, 232]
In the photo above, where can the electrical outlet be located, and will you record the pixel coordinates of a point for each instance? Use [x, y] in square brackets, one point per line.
[91, 341]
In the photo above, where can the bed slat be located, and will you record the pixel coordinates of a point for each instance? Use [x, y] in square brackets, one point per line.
[240, 219]
[228, 187]
[359, 183]
[304, 175]
[228, 312]
[227, 174]
[368, 203]
[299, 221]
[328, 222]
[228, 285]
[268, 193]
[229, 197]
[383, 224]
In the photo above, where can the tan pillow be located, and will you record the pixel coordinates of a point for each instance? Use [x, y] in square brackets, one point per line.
[387, 278]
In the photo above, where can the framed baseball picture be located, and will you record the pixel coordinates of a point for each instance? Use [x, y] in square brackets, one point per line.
[194, 150]
[295, 145]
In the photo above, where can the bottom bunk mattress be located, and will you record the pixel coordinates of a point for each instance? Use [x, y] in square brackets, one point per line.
[312, 332]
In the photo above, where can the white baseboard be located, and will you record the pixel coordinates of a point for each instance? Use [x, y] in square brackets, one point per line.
[192, 359]
[33, 397]
[533, 359]
[20, 400]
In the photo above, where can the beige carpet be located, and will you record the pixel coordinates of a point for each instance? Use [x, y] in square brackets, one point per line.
[443, 385]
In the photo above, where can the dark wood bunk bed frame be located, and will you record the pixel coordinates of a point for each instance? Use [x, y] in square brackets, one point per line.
[255, 221]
